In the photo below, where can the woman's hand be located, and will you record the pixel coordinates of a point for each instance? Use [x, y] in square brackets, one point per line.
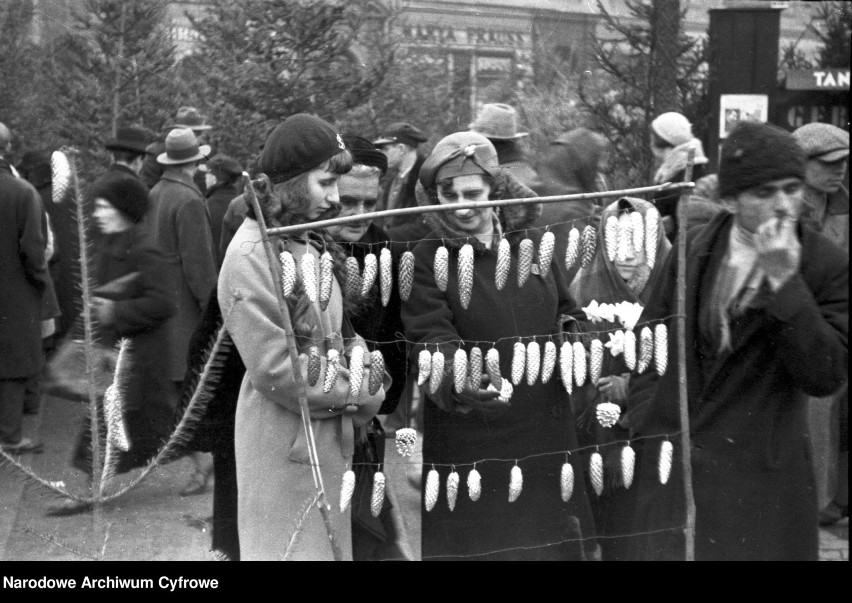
[485, 400]
[613, 388]
[103, 310]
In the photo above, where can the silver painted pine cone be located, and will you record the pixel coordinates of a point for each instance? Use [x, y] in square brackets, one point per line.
[331, 369]
[588, 244]
[533, 362]
[665, 468]
[492, 366]
[452, 490]
[630, 349]
[433, 486]
[460, 378]
[474, 373]
[356, 371]
[545, 252]
[465, 274]
[525, 258]
[549, 361]
[661, 348]
[377, 372]
[353, 278]
[406, 441]
[628, 464]
[288, 273]
[326, 279]
[566, 481]
[596, 352]
[314, 365]
[566, 366]
[579, 363]
[572, 251]
[385, 275]
[308, 265]
[607, 414]
[436, 376]
[406, 275]
[519, 358]
[596, 472]
[347, 487]
[652, 217]
[442, 259]
[371, 270]
[516, 483]
[377, 499]
[611, 237]
[424, 364]
[504, 262]
[646, 350]
[474, 485]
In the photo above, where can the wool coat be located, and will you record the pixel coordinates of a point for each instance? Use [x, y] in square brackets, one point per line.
[536, 430]
[181, 230]
[24, 276]
[218, 197]
[274, 477]
[751, 468]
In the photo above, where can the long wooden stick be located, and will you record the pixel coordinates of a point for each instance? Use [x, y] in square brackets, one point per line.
[427, 209]
[272, 260]
[685, 440]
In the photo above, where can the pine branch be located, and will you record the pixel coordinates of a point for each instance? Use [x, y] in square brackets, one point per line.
[299, 522]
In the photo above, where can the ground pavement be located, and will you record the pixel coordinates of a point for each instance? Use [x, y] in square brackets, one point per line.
[152, 522]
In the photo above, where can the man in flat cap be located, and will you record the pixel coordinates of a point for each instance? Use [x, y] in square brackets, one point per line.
[826, 208]
[399, 142]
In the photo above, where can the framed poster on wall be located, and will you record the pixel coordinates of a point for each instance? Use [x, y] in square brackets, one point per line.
[734, 108]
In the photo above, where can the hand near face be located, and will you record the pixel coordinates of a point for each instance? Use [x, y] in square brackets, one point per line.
[778, 249]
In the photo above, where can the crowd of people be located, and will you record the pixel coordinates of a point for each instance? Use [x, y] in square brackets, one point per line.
[321, 339]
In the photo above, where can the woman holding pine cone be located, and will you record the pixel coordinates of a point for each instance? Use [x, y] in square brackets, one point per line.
[303, 159]
[493, 448]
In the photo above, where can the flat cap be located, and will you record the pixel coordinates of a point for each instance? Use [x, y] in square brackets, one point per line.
[823, 142]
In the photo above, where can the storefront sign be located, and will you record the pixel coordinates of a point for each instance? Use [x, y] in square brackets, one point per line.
[467, 36]
[818, 79]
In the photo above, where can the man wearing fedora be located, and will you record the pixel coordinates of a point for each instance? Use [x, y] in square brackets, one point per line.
[498, 122]
[399, 142]
[128, 150]
[189, 118]
[180, 227]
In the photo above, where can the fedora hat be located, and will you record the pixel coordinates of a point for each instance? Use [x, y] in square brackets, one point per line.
[189, 117]
[497, 121]
[401, 132]
[182, 147]
[128, 138]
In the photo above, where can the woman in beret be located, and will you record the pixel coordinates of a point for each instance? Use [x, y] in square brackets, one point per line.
[302, 162]
[480, 427]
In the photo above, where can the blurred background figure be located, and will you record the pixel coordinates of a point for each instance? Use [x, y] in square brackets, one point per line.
[223, 177]
[498, 122]
[189, 118]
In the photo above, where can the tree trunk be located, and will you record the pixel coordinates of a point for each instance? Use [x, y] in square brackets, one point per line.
[665, 29]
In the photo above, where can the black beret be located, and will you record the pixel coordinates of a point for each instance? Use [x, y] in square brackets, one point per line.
[125, 192]
[298, 145]
[755, 153]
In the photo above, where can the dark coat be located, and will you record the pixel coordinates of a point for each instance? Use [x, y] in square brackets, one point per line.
[24, 276]
[538, 426]
[231, 221]
[751, 471]
[218, 198]
[181, 230]
[141, 314]
[403, 229]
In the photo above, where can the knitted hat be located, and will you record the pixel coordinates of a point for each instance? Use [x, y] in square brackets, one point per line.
[124, 192]
[459, 154]
[823, 142]
[755, 153]
[497, 121]
[365, 153]
[129, 138]
[182, 147]
[298, 145]
[673, 127]
[401, 132]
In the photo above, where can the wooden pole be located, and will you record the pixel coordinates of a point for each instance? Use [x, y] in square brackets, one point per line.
[272, 260]
[685, 441]
[426, 209]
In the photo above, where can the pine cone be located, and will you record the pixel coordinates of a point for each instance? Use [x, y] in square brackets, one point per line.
[666, 453]
[353, 278]
[611, 237]
[505, 392]
[492, 366]
[572, 251]
[652, 217]
[637, 227]
[661, 348]
[646, 350]
[452, 489]
[433, 486]
[386, 275]
[406, 275]
[406, 441]
[474, 372]
[377, 500]
[465, 274]
[566, 481]
[596, 473]
[460, 378]
[347, 487]
[579, 364]
[519, 358]
[628, 464]
[356, 371]
[630, 349]
[326, 278]
[474, 485]
[309, 275]
[377, 372]
[504, 262]
[331, 369]
[625, 237]
[549, 362]
[314, 365]
[371, 269]
[436, 376]
[589, 244]
[533, 362]
[516, 483]
[61, 177]
[595, 361]
[114, 419]
[607, 414]
[525, 258]
[545, 252]
[288, 273]
[566, 366]
[442, 266]
[424, 363]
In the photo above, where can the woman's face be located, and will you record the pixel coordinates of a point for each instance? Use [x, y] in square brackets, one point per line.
[109, 219]
[322, 191]
[467, 189]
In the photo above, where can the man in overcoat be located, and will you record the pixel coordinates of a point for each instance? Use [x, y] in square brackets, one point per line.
[766, 325]
[24, 278]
